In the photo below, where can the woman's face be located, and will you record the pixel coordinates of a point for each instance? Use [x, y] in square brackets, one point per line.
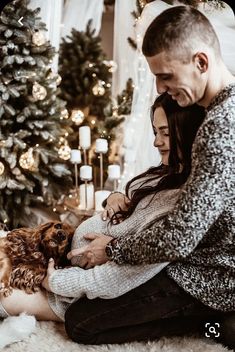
[161, 132]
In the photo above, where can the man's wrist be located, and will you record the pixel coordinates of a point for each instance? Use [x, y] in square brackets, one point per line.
[111, 248]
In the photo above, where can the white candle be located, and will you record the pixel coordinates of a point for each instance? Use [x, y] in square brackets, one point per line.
[85, 137]
[90, 196]
[75, 157]
[101, 145]
[86, 172]
[100, 196]
[114, 172]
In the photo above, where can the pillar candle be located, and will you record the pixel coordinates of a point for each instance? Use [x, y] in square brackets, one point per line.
[86, 172]
[75, 156]
[100, 196]
[114, 172]
[101, 145]
[85, 137]
[90, 196]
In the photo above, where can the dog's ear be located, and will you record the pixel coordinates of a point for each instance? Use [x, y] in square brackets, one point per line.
[44, 227]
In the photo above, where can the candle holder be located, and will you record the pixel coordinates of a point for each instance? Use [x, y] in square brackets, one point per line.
[101, 171]
[86, 175]
[101, 147]
[84, 155]
[76, 159]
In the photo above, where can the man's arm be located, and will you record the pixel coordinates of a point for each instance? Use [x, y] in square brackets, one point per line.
[203, 199]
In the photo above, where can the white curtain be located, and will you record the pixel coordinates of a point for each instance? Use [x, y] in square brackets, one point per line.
[123, 54]
[51, 13]
[139, 152]
[138, 136]
[78, 12]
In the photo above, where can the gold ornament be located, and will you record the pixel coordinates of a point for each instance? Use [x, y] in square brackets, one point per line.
[56, 76]
[99, 89]
[28, 161]
[58, 79]
[39, 92]
[77, 116]
[112, 65]
[39, 38]
[64, 152]
[2, 168]
[64, 114]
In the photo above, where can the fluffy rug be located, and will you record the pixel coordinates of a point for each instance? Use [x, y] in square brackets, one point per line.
[51, 337]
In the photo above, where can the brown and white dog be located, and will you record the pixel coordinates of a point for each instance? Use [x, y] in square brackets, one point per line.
[24, 255]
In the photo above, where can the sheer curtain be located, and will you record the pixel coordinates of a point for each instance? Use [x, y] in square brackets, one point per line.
[51, 14]
[139, 152]
[123, 54]
[78, 12]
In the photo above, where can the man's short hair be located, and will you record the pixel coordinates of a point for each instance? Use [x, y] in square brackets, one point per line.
[178, 30]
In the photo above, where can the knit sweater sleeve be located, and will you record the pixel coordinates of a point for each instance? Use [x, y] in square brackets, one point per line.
[105, 281]
[210, 185]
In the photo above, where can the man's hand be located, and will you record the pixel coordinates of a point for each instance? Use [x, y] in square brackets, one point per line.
[50, 270]
[92, 254]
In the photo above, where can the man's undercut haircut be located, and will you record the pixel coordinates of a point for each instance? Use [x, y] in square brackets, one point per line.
[178, 30]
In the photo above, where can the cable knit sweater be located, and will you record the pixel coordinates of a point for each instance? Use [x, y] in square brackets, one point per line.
[198, 237]
[109, 280]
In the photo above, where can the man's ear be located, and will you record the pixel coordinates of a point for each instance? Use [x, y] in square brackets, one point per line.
[201, 62]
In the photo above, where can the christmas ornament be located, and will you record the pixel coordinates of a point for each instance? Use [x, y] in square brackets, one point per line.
[65, 114]
[28, 161]
[56, 76]
[99, 89]
[39, 92]
[77, 116]
[111, 64]
[38, 38]
[64, 152]
[2, 168]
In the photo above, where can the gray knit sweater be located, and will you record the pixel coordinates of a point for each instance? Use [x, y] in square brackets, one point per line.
[198, 237]
[109, 280]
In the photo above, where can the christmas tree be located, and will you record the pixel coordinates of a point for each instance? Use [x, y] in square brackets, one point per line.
[86, 86]
[33, 120]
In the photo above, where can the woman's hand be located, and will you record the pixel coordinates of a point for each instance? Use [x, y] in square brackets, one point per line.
[115, 202]
[50, 271]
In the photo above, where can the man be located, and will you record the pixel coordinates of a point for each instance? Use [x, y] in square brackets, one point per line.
[198, 237]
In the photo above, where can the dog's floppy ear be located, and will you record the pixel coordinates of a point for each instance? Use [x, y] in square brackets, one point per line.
[42, 228]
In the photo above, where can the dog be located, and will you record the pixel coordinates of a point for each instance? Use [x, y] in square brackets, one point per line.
[25, 252]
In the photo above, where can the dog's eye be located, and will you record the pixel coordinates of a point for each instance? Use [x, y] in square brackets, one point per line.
[58, 226]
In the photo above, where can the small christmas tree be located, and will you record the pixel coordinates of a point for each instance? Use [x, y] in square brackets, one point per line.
[86, 86]
[33, 124]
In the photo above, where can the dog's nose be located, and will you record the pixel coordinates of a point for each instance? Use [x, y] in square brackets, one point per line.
[61, 235]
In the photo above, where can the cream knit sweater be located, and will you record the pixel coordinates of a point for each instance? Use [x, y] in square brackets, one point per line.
[109, 280]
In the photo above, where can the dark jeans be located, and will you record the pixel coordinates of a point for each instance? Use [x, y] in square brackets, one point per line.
[155, 309]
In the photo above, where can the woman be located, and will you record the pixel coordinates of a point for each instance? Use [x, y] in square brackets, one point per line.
[151, 195]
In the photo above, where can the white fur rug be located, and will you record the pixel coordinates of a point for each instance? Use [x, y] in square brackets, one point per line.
[51, 337]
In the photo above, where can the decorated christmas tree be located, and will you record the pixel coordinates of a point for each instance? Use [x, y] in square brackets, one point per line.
[86, 86]
[33, 120]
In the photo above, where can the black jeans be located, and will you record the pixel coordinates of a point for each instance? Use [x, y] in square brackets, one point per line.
[155, 309]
